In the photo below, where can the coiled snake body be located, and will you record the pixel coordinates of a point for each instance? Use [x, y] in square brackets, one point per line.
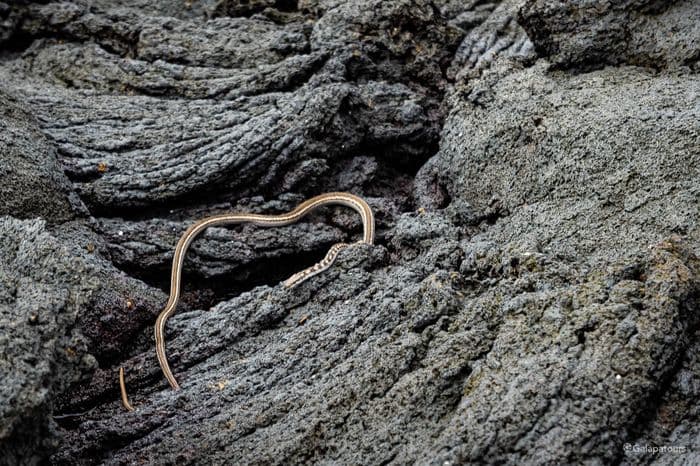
[295, 215]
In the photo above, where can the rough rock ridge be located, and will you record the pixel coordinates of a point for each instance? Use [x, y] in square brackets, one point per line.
[534, 167]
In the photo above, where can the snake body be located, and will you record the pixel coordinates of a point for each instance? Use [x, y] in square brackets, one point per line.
[344, 199]
[122, 388]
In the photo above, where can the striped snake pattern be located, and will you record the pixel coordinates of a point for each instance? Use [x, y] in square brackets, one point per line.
[344, 199]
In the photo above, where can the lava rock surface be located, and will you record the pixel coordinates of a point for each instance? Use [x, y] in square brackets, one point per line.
[532, 296]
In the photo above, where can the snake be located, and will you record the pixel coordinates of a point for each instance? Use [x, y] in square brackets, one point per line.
[122, 388]
[275, 220]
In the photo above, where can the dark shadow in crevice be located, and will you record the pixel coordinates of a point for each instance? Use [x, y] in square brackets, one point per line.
[248, 8]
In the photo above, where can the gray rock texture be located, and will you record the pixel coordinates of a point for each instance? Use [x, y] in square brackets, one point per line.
[532, 296]
[33, 183]
[649, 33]
[42, 353]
